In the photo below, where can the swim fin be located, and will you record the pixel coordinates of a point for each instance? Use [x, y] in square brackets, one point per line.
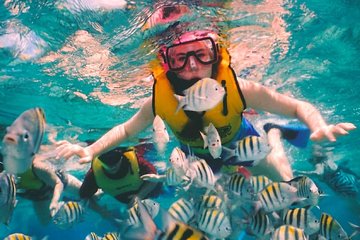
[296, 134]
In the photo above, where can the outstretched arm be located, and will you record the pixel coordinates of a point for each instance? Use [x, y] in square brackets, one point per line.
[46, 174]
[142, 119]
[262, 98]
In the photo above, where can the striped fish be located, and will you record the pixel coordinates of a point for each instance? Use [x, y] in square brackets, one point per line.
[211, 201]
[214, 222]
[241, 186]
[160, 134]
[202, 96]
[151, 206]
[7, 197]
[259, 182]
[18, 236]
[179, 161]
[201, 174]
[111, 236]
[212, 140]
[277, 196]
[172, 179]
[302, 218]
[248, 152]
[68, 214]
[92, 236]
[287, 232]
[308, 192]
[343, 183]
[182, 210]
[260, 225]
[163, 226]
[22, 140]
[330, 228]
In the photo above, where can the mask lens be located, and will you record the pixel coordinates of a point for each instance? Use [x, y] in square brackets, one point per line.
[204, 50]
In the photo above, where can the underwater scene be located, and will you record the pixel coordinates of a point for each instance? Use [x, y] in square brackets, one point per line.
[72, 70]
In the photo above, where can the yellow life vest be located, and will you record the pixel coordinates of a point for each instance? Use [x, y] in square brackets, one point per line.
[29, 181]
[114, 187]
[227, 123]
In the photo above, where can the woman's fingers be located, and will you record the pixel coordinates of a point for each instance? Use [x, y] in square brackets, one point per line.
[331, 131]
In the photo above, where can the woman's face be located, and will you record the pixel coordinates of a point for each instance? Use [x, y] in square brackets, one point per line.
[193, 68]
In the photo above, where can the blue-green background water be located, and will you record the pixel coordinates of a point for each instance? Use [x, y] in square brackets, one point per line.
[86, 68]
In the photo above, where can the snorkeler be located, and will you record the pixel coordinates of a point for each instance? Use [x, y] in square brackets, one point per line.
[197, 55]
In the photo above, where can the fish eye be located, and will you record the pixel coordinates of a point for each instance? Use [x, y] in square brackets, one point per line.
[26, 136]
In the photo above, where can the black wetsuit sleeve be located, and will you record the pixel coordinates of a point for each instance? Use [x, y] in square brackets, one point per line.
[1, 163]
[89, 186]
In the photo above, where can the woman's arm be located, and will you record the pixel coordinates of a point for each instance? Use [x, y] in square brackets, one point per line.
[142, 119]
[262, 98]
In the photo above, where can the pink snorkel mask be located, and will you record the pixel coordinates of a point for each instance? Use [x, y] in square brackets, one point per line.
[207, 53]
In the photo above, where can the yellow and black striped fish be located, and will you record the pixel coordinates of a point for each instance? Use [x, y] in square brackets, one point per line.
[18, 236]
[111, 236]
[330, 228]
[241, 186]
[92, 236]
[68, 214]
[214, 222]
[277, 196]
[302, 218]
[259, 182]
[182, 210]
[288, 232]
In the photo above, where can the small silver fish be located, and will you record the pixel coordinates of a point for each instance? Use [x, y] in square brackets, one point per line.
[178, 161]
[92, 236]
[160, 134]
[111, 236]
[151, 206]
[205, 94]
[201, 174]
[68, 214]
[215, 223]
[241, 187]
[182, 210]
[22, 140]
[287, 232]
[330, 228]
[18, 236]
[212, 141]
[307, 191]
[302, 218]
[248, 151]
[259, 182]
[277, 196]
[260, 225]
[7, 197]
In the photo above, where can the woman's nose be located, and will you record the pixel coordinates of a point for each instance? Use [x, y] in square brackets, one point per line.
[192, 63]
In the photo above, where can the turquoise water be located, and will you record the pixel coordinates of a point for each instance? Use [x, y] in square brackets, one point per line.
[86, 68]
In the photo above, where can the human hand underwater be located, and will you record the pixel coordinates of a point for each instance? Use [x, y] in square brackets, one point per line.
[66, 149]
[330, 132]
[53, 208]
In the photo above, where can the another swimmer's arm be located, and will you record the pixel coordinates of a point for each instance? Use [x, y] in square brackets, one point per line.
[142, 119]
[48, 176]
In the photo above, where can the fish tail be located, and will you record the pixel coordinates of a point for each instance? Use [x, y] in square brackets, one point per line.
[181, 101]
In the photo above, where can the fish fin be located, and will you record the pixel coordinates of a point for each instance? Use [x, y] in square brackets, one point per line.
[204, 137]
[181, 102]
[227, 153]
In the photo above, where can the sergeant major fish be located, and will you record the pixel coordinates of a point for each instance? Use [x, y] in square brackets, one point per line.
[330, 228]
[182, 210]
[205, 94]
[248, 152]
[7, 197]
[69, 214]
[288, 232]
[212, 141]
[22, 140]
[214, 222]
[160, 134]
[302, 218]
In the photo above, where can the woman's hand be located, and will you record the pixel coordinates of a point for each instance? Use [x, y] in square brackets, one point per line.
[66, 150]
[330, 132]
